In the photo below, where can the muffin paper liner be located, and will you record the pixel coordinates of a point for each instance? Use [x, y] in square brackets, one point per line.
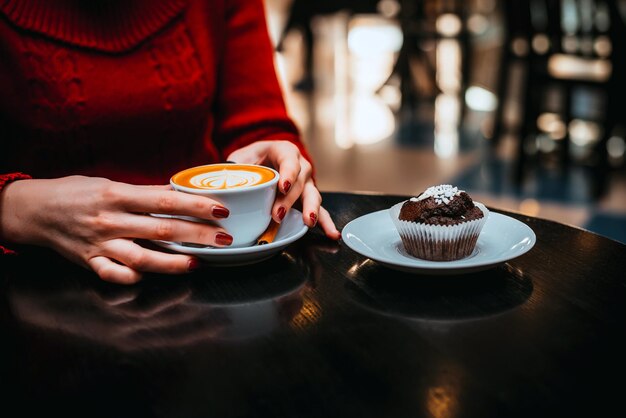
[439, 242]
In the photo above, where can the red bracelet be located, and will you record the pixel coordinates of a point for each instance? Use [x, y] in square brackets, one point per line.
[4, 180]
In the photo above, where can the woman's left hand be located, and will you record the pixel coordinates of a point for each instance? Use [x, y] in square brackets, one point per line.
[296, 181]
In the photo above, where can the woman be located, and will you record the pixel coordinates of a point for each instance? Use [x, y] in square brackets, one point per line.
[103, 100]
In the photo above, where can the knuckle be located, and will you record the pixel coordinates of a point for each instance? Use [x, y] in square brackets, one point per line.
[166, 202]
[136, 260]
[307, 168]
[288, 147]
[291, 145]
[111, 191]
[106, 273]
[201, 204]
[102, 223]
[164, 230]
[205, 235]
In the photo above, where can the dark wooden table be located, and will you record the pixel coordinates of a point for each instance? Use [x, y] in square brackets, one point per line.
[320, 331]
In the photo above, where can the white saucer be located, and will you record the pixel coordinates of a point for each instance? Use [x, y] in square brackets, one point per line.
[291, 229]
[502, 238]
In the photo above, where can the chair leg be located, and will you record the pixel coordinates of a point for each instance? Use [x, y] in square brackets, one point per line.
[502, 94]
[527, 128]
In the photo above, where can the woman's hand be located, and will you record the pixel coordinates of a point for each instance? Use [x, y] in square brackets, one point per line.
[94, 222]
[295, 181]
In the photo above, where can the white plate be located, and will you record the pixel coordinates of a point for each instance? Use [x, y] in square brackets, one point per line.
[291, 229]
[502, 238]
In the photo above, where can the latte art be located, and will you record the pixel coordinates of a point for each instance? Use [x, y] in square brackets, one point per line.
[226, 179]
[223, 177]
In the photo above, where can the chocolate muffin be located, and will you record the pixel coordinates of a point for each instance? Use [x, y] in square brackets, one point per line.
[440, 205]
[441, 224]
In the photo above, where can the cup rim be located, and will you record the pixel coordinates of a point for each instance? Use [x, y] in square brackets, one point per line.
[195, 190]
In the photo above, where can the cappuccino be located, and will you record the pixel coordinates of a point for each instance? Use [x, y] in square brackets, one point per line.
[224, 176]
[246, 190]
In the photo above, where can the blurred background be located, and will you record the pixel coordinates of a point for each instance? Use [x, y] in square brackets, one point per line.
[518, 102]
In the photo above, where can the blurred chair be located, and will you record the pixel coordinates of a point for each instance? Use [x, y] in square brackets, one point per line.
[572, 52]
[423, 21]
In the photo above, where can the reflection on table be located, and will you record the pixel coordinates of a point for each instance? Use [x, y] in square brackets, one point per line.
[321, 331]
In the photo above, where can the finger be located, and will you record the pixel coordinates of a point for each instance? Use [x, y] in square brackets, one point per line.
[285, 202]
[140, 259]
[156, 199]
[311, 201]
[110, 271]
[171, 229]
[328, 225]
[289, 162]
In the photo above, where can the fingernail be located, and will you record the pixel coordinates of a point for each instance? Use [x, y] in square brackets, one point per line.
[194, 264]
[220, 212]
[222, 238]
[313, 217]
[281, 212]
[286, 186]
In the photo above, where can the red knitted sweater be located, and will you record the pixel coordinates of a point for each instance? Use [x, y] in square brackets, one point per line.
[133, 90]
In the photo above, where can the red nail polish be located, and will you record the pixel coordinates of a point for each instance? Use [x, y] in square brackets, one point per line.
[194, 264]
[220, 212]
[313, 217]
[222, 238]
[281, 213]
[286, 186]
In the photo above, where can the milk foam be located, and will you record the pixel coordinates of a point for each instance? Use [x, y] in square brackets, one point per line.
[226, 179]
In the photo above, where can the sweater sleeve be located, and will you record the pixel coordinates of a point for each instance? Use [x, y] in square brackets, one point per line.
[250, 105]
[4, 180]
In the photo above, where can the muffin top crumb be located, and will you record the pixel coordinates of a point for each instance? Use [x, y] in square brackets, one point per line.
[440, 205]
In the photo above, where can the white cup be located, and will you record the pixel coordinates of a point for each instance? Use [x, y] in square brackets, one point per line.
[246, 190]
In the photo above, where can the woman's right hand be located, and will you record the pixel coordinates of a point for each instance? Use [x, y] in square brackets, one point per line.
[95, 222]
